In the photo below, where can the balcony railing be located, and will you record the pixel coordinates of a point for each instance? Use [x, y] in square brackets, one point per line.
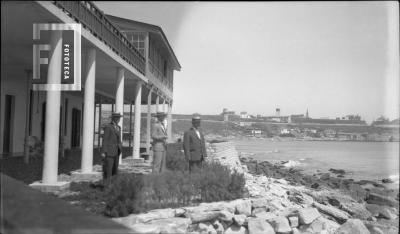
[159, 75]
[93, 19]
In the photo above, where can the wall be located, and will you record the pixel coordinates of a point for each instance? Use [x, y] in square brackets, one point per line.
[226, 154]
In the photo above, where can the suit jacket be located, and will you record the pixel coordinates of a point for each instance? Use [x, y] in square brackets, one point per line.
[159, 136]
[112, 140]
[194, 147]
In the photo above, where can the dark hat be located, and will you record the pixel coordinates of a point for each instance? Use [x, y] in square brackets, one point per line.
[116, 114]
[196, 117]
[160, 114]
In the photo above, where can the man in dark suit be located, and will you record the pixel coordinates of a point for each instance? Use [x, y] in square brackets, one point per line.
[194, 144]
[159, 136]
[112, 146]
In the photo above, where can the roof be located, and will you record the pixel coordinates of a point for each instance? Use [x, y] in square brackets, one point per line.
[151, 28]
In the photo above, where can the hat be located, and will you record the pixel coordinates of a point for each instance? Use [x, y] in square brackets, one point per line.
[116, 114]
[160, 114]
[196, 117]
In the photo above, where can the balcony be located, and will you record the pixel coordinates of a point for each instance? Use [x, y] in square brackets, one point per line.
[94, 20]
[159, 76]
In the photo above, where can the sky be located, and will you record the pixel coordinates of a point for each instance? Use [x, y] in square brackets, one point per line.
[334, 58]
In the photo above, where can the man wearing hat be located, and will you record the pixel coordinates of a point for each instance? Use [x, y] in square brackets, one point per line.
[159, 135]
[112, 146]
[194, 144]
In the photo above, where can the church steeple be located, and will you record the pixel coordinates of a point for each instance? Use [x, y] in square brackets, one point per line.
[307, 114]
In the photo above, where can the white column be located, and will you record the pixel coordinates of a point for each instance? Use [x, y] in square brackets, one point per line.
[148, 125]
[157, 103]
[52, 125]
[169, 127]
[136, 130]
[119, 100]
[88, 113]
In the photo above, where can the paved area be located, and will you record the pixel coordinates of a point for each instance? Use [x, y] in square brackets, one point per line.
[25, 210]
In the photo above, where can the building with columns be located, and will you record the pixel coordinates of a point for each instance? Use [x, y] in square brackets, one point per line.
[123, 63]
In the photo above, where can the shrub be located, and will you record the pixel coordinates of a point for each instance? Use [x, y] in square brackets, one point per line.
[130, 193]
[176, 158]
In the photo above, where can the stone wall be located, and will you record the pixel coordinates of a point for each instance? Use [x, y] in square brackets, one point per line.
[226, 154]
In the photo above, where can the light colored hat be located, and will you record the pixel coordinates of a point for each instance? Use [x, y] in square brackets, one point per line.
[196, 117]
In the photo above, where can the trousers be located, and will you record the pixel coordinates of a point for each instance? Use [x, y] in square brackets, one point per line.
[159, 161]
[110, 166]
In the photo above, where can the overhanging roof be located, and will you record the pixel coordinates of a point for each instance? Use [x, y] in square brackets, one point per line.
[151, 28]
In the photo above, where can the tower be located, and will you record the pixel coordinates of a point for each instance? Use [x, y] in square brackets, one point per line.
[307, 114]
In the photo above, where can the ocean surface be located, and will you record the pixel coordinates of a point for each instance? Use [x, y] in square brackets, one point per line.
[360, 160]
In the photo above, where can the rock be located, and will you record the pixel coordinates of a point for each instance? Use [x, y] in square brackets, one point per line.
[218, 227]
[281, 225]
[259, 226]
[381, 211]
[243, 207]
[308, 215]
[387, 226]
[239, 219]
[375, 230]
[320, 225]
[339, 215]
[266, 215]
[206, 228]
[378, 199]
[205, 216]
[337, 171]
[214, 206]
[295, 231]
[225, 216]
[293, 221]
[146, 217]
[258, 210]
[356, 210]
[352, 226]
[145, 228]
[172, 225]
[325, 176]
[259, 202]
[234, 229]
[180, 212]
[387, 180]
[315, 185]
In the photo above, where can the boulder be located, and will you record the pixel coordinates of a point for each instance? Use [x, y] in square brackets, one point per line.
[235, 229]
[320, 225]
[259, 202]
[294, 221]
[325, 176]
[352, 226]
[171, 225]
[229, 206]
[239, 219]
[180, 212]
[145, 228]
[266, 215]
[375, 230]
[281, 224]
[385, 225]
[308, 215]
[242, 207]
[374, 198]
[218, 227]
[259, 226]
[339, 215]
[225, 216]
[356, 210]
[146, 217]
[378, 211]
[204, 216]
[206, 228]
[258, 210]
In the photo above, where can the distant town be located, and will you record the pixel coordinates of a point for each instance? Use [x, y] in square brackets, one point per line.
[302, 127]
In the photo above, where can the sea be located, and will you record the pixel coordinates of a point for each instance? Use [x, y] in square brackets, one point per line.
[361, 160]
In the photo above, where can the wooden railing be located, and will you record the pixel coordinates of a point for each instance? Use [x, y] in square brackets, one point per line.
[159, 75]
[93, 19]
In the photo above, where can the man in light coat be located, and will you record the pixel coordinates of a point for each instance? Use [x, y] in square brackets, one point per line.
[112, 146]
[159, 136]
[194, 144]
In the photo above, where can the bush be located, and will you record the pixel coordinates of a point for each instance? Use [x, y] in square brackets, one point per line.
[176, 158]
[130, 193]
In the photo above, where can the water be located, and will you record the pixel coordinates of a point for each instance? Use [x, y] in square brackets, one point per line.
[360, 160]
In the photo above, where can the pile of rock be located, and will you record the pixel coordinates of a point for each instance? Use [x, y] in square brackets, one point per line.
[226, 154]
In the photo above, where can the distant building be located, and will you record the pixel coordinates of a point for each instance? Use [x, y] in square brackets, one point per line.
[228, 115]
[244, 115]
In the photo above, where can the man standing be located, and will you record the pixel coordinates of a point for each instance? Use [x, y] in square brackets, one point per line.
[159, 135]
[112, 146]
[194, 144]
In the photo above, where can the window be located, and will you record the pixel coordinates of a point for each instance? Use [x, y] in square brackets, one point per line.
[137, 39]
[165, 70]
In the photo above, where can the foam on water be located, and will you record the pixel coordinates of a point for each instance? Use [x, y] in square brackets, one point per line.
[394, 178]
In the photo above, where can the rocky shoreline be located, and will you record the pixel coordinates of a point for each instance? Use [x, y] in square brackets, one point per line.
[279, 200]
